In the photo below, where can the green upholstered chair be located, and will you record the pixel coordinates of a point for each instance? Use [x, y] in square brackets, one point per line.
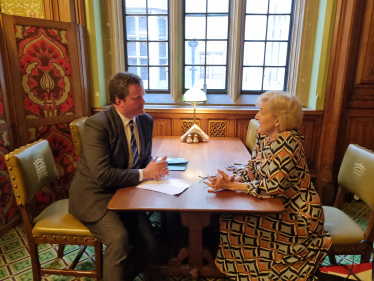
[76, 130]
[31, 168]
[356, 176]
[250, 140]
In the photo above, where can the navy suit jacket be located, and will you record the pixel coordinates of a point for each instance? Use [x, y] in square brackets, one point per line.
[103, 166]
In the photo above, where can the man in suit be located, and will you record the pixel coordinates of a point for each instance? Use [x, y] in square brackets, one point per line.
[117, 152]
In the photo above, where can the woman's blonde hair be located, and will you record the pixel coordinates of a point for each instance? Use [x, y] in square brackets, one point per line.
[284, 106]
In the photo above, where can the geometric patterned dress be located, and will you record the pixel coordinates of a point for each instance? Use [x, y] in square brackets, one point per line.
[286, 246]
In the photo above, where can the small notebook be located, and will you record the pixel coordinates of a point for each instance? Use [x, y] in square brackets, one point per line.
[176, 164]
[177, 167]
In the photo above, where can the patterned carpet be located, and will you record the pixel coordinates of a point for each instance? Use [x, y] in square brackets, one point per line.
[15, 263]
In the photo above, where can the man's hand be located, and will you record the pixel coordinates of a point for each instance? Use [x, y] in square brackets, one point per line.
[157, 170]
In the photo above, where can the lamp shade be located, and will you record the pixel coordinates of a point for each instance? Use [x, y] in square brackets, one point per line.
[194, 95]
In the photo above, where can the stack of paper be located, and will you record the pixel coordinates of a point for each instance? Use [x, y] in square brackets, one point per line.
[170, 186]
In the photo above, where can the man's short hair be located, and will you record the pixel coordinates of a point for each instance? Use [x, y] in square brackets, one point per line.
[284, 106]
[119, 85]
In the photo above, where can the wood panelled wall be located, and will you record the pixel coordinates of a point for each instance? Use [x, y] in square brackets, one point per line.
[357, 124]
[349, 103]
[229, 122]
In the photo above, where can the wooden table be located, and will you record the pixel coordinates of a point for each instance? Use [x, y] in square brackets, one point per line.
[195, 204]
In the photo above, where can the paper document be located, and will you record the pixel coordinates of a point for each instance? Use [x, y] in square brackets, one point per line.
[169, 185]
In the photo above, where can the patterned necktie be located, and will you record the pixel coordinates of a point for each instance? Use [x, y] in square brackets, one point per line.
[135, 164]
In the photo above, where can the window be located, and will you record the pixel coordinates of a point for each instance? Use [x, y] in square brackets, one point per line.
[130, 21]
[206, 31]
[266, 45]
[248, 56]
[146, 38]
[162, 27]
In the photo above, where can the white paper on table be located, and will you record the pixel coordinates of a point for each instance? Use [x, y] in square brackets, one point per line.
[170, 186]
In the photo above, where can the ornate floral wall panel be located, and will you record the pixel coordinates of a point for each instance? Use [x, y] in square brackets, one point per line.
[24, 8]
[47, 88]
[45, 71]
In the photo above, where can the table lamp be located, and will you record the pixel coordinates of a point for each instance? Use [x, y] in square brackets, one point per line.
[195, 96]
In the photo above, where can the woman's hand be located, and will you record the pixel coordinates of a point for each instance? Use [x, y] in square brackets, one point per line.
[221, 181]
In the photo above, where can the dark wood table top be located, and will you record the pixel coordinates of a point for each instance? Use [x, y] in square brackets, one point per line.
[203, 158]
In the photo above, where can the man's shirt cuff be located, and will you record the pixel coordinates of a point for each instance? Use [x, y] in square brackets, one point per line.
[140, 174]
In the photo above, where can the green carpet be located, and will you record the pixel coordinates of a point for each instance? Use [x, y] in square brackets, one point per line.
[15, 263]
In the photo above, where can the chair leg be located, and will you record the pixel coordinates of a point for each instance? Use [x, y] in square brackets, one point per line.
[332, 259]
[99, 260]
[35, 263]
[60, 251]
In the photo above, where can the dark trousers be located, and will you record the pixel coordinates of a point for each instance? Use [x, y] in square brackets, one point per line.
[129, 241]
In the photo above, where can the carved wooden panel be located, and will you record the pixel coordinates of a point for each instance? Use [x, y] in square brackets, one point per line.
[365, 65]
[186, 124]
[361, 131]
[241, 129]
[162, 127]
[311, 130]
[218, 128]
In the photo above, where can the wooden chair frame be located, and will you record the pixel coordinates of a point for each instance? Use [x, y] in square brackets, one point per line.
[28, 212]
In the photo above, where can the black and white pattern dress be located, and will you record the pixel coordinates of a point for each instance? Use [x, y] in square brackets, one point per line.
[286, 246]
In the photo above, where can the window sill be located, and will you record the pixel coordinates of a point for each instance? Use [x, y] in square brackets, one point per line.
[213, 99]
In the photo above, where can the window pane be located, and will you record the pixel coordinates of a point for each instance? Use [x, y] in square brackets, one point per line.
[192, 76]
[257, 7]
[162, 49]
[217, 77]
[162, 28]
[158, 79]
[217, 51]
[254, 53]
[135, 6]
[143, 48]
[255, 27]
[218, 6]
[130, 26]
[276, 53]
[133, 61]
[280, 6]
[143, 61]
[157, 26]
[155, 49]
[195, 6]
[142, 72]
[131, 48]
[157, 6]
[136, 28]
[274, 78]
[252, 78]
[192, 51]
[278, 27]
[195, 27]
[217, 27]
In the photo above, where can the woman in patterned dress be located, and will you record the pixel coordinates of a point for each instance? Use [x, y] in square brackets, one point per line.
[286, 246]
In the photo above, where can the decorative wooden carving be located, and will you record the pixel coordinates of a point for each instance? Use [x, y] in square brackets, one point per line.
[217, 128]
[187, 124]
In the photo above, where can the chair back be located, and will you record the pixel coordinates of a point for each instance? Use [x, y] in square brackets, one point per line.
[356, 173]
[76, 129]
[31, 168]
[250, 141]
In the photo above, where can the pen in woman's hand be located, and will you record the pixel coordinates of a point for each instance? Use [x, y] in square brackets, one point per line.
[212, 177]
